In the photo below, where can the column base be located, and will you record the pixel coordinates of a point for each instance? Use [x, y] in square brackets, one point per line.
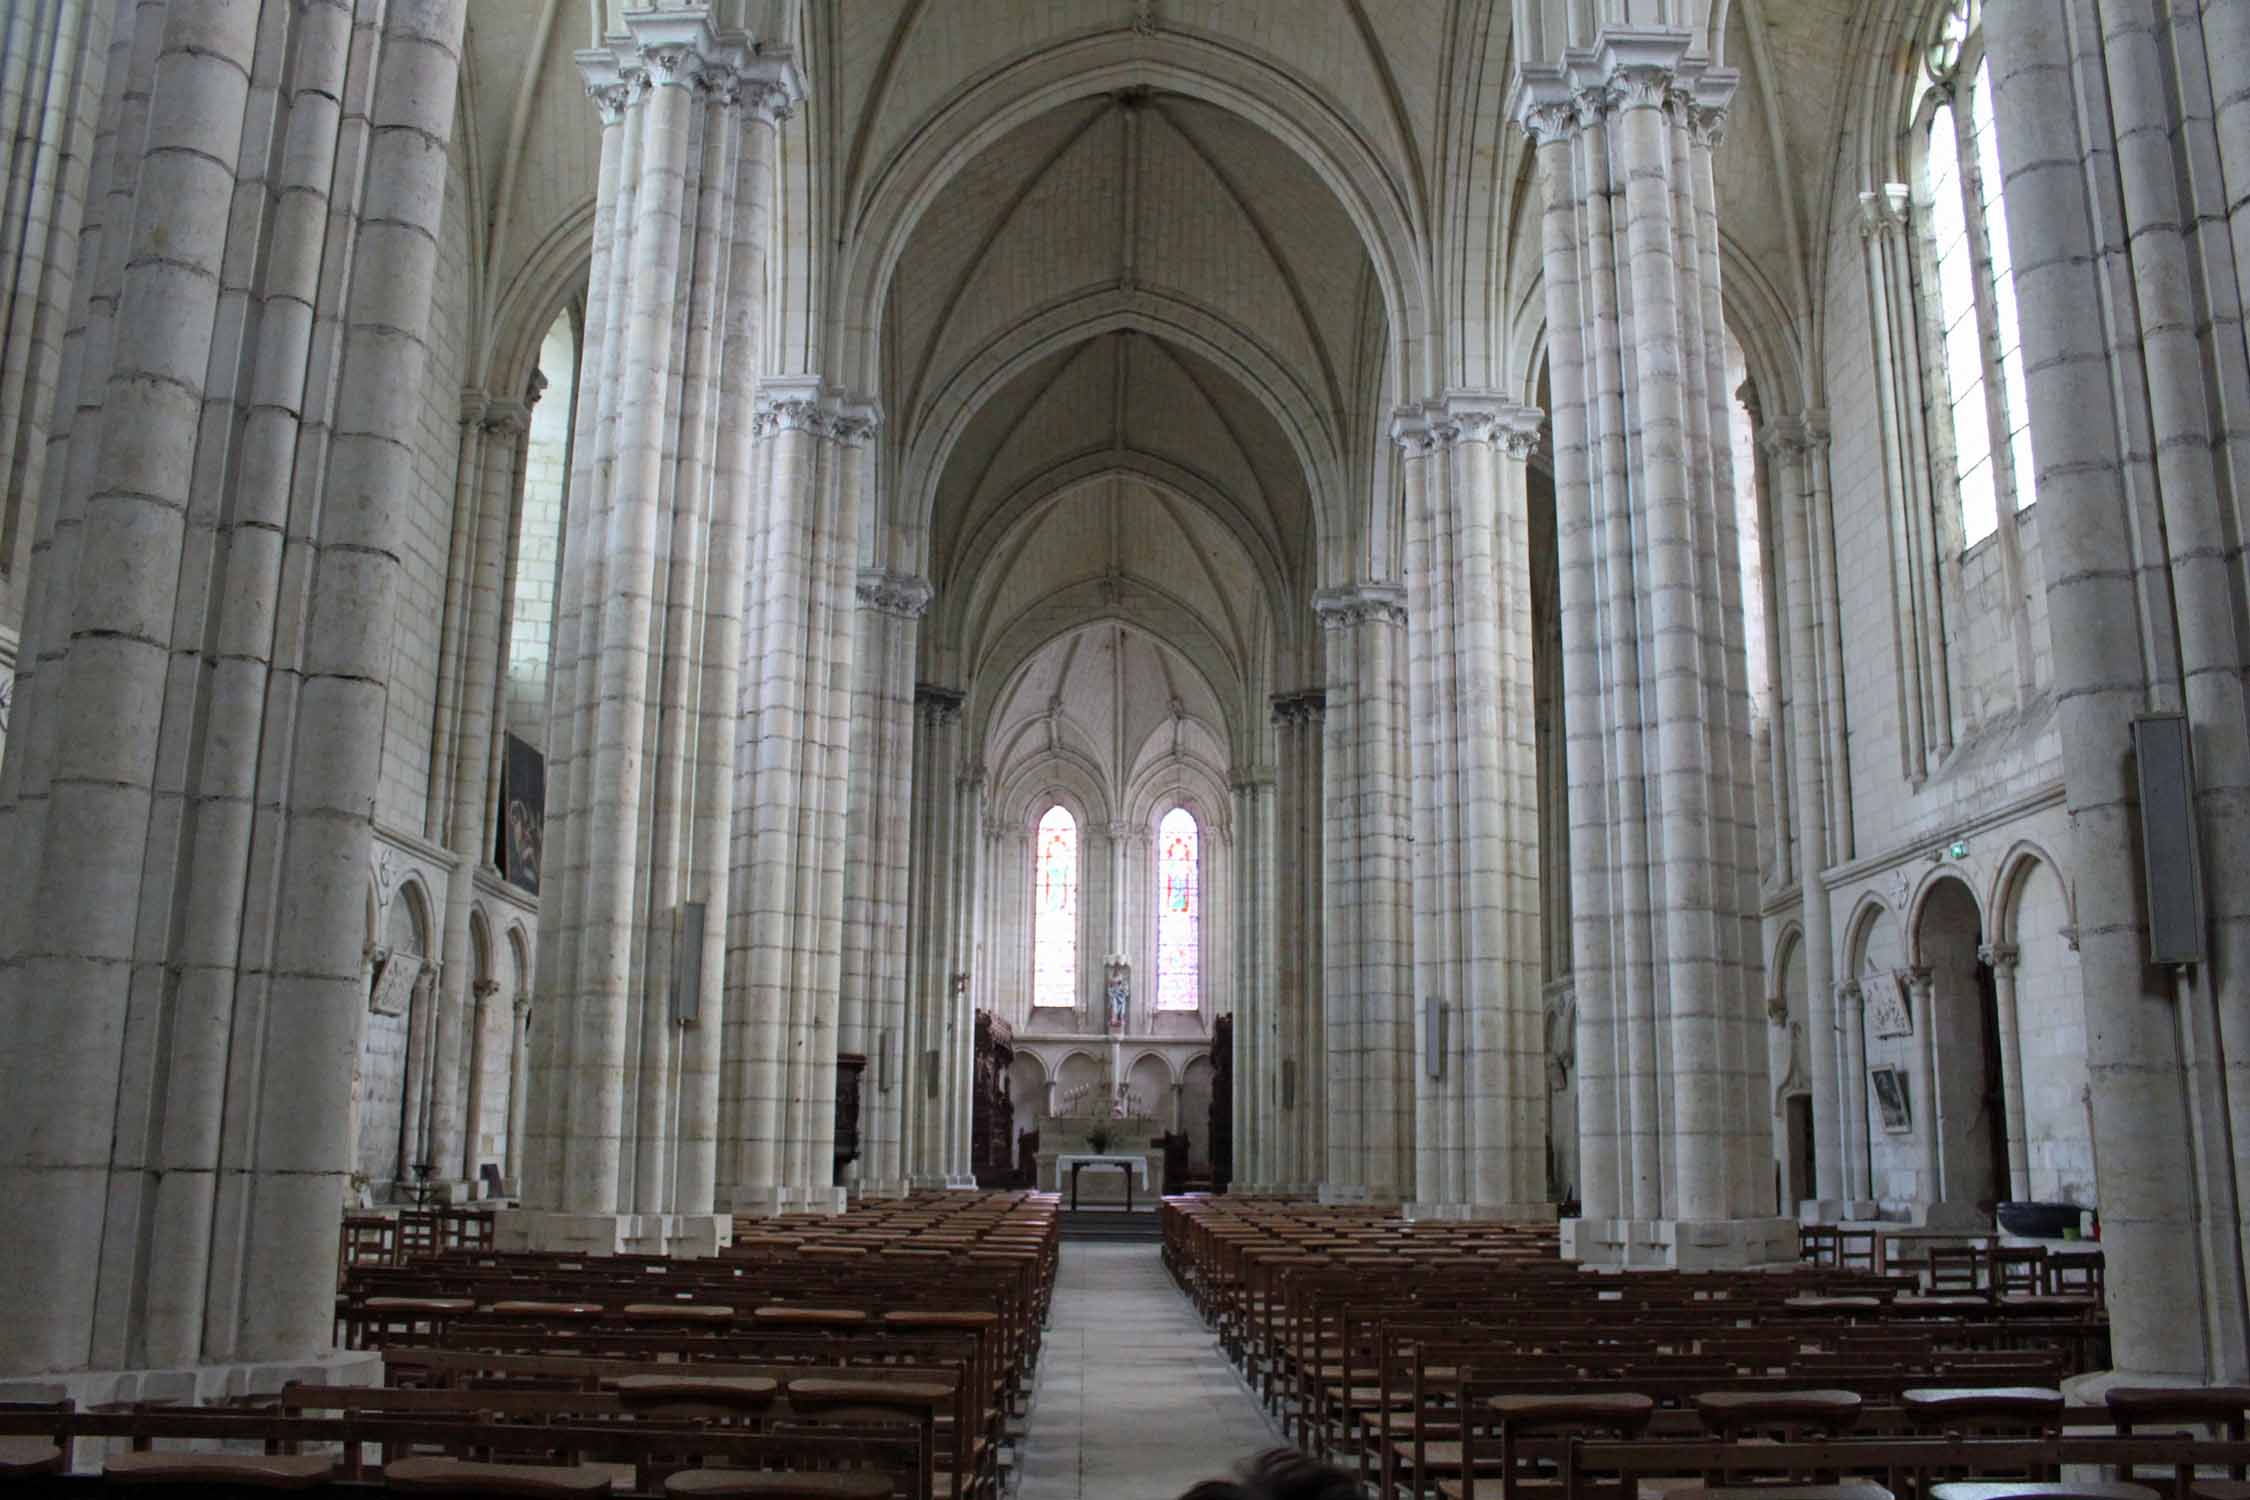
[197, 1385]
[961, 1182]
[898, 1188]
[1343, 1192]
[682, 1236]
[765, 1202]
[1484, 1213]
[1679, 1244]
[1837, 1210]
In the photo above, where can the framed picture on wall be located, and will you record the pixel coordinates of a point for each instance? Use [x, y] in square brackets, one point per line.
[1892, 1099]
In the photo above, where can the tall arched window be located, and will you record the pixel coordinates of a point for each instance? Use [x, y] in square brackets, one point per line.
[1975, 284]
[1179, 912]
[1054, 905]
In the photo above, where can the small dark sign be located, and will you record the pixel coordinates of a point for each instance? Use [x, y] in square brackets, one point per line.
[523, 815]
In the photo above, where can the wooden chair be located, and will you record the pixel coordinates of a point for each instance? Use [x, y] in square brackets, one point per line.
[455, 1476]
[215, 1471]
[1956, 1268]
[2224, 1411]
[2017, 1270]
[757, 1484]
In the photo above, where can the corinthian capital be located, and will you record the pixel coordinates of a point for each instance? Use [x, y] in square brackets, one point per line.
[770, 85]
[852, 421]
[792, 403]
[1882, 213]
[1360, 604]
[905, 595]
[1543, 105]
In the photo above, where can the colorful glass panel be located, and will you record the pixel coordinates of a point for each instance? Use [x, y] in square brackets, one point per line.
[1179, 912]
[1054, 910]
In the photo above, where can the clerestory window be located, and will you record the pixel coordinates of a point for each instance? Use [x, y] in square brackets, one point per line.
[1973, 281]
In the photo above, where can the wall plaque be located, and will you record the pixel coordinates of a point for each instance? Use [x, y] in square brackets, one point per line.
[394, 985]
[1888, 1010]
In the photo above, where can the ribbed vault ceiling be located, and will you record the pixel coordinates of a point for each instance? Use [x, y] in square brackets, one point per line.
[1181, 212]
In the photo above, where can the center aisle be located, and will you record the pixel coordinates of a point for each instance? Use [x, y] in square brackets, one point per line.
[1134, 1401]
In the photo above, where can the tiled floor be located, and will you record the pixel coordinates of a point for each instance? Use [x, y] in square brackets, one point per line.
[1134, 1401]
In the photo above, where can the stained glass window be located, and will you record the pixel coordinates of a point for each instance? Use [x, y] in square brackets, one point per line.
[1054, 910]
[1179, 912]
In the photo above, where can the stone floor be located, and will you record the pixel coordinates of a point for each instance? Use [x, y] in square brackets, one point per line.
[1134, 1400]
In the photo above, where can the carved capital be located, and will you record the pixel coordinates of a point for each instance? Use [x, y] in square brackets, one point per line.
[937, 705]
[1309, 706]
[485, 989]
[1883, 212]
[905, 595]
[473, 404]
[507, 417]
[2001, 956]
[1543, 105]
[1850, 992]
[793, 403]
[521, 1005]
[1641, 86]
[1361, 604]
[1784, 437]
[852, 422]
[1412, 431]
[606, 85]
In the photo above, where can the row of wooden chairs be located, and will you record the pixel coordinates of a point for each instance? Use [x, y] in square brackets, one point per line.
[1390, 1343]
[799, 1297]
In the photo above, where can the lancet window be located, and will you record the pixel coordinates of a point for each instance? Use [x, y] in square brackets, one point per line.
[1054, 900]
[1179, 912]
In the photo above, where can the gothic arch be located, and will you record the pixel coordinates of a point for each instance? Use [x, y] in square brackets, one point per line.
[1150, 1054]
[2016, 867]
[1859, 929]
[1917, 908]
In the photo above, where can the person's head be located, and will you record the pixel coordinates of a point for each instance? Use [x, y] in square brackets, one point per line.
[1280, 1474]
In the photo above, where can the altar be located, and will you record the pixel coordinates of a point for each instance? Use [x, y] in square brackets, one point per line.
[1069, 1164]
[1131, 1142]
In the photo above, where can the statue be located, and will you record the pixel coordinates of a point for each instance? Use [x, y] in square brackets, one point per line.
[1118, 989]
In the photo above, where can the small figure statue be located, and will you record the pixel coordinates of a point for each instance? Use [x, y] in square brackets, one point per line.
[1118, 990]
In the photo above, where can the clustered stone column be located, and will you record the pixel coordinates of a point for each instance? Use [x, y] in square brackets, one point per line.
[1300, 1152]
[1366, 943]
[873, 1015]
[52, 58]
[2121, 143]
[649, 636]
[786, 931]
[1799, 456]
[488, 499]
[1256, 1103]
[937, 1019]
[186, 812]
[1480, 1119]
[1675, 1155]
